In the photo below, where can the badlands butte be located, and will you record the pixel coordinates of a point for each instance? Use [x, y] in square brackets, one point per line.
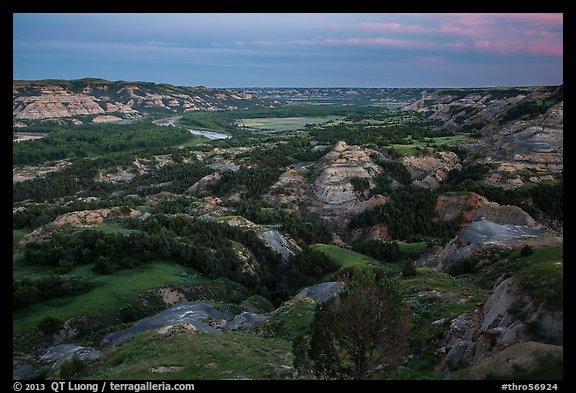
[173, 232]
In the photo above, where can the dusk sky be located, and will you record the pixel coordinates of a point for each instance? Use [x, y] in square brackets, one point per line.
[299, 50]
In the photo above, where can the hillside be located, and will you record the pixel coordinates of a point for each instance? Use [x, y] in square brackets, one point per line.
[141, 250]
[105, 101]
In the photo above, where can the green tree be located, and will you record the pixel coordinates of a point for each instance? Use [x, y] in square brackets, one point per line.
[360, 184]
[409, 270]
[360, 330]
[526, 251]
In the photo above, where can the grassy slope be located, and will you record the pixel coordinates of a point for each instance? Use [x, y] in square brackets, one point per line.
[201, 356]
[111, 293]
[407, 250]
[448, 140]
[345, 257]
[17, 235]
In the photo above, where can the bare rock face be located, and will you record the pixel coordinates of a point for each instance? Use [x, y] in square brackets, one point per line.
[527, 145]
[280, 244]
[48, 106]
[197, 314]
[120, 175]
[482, 235]
[245, 321]
[290, 187]
[332, 195]
[343, 163]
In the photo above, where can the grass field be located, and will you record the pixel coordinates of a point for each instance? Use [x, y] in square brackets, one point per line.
[197, 356]
[444, 140]
[20, 270]
[409, 250]
[17, 235]
[111, 293]
[345, 257]
[277, 124]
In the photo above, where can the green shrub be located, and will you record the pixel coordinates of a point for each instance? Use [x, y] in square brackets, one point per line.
[360, 184]
[72, 368]
[526, 251]
[50, 325]
[409, 270]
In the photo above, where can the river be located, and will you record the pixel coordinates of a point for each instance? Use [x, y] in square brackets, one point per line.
[210, 134]
[170, 122]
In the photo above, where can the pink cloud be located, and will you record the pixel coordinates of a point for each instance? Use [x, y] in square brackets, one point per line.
[529, 33]
[396, 43]
[516, 46]
[393, 27]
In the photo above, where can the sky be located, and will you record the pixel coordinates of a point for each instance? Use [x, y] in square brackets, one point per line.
[293, 50]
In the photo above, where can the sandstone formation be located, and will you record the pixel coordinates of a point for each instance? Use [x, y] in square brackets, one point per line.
[339, 166]
[36, 100]
[468, 207]
[333, 195]
[48, 106]
[527, 146]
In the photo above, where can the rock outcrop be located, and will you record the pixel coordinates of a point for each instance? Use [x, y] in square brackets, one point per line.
[339, 166]
[527, 143]
[20, 174]
[106, 119]
[333, 195]
[321, 292]
[509, 316]
[481, 235]
[289, 188]
[245, 321]
[280, 244]
[197, 314]
[49, 106]
[525, 356]
[484, 224]
[62, 353]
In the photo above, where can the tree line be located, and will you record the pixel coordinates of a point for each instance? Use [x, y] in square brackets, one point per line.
[66, 142]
